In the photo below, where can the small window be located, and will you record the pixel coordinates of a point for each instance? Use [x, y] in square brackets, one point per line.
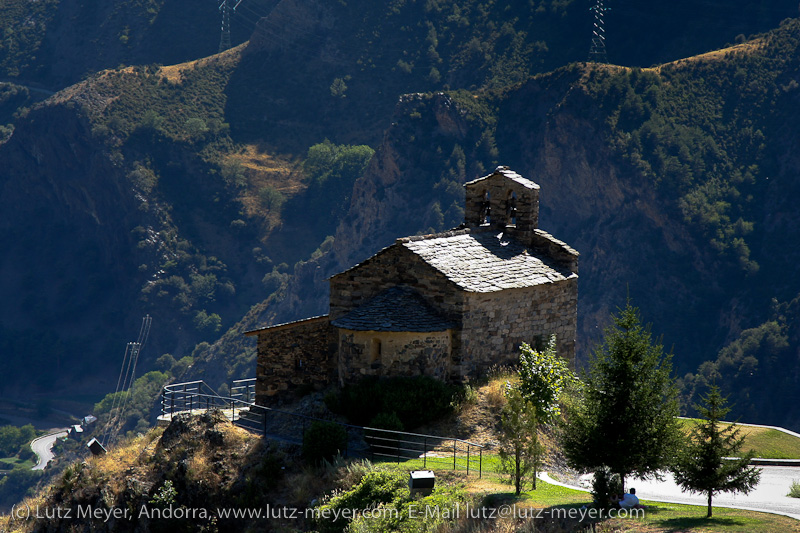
[486, 209]
[375, 351]
[511, 209]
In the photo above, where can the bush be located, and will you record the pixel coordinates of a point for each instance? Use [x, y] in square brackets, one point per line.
[323, 441]
[794, 491]
[604, 485]
[375, 488]
[414, 400]
[388, 489]
[387, 421]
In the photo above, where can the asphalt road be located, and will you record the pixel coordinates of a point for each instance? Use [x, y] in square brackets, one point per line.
[768, 496]
[41, 446]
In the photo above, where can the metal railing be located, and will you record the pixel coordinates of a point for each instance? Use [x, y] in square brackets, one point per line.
[244, 389]
[374, 443]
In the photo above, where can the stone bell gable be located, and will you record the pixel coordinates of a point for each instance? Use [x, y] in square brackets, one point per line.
[448, 305]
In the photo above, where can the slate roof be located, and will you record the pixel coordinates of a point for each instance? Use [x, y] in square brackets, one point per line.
[508, 173]
[485, 261]
[398, 308]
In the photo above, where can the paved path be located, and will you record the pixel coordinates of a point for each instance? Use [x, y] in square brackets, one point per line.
[769, 496]
[41, 446]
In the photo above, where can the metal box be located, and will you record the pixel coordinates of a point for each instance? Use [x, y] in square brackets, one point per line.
[421, 482]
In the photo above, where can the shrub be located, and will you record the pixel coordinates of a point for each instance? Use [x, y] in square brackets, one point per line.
[387, 421]
[414, 400]
[375, 488]
[794, 491]
[323, 441]
[604, 485]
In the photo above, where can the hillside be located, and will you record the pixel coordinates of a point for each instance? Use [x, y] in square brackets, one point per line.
[676, 184]
[182, 192]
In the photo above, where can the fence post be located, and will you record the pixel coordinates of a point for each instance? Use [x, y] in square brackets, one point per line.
[425, 453]
[468, 460]
[454, 454]
[397, 448]
[480, 463]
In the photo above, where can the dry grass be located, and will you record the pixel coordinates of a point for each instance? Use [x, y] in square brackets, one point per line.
[173, 73]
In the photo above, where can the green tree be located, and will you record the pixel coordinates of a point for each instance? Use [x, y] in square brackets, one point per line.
[520, 450]
[543, 377]
[626, 421]
[703, 466]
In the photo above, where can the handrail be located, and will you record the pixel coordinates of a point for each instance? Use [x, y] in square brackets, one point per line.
[176, 397]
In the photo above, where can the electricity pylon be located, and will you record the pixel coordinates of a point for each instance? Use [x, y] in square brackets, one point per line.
[225, 9]
[597, 52]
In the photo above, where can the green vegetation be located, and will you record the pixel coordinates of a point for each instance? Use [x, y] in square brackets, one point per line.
[794, 490]
[756, 361]
[15, 441]
[323, 441]
[701, 466]
[676, 517]
[387, 491]
[414, 400]
[626, 421]
[521, 453]
[543, 378]
[766, 442]
[140, 399]
[16, 461]
[330, 170]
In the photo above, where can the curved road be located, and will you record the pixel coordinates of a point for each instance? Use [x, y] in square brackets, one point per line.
[769, 496]
[41, 446]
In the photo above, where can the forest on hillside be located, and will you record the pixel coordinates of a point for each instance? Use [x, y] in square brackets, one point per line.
[216, 191]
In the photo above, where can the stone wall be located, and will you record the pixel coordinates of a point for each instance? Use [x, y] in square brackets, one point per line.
[500, 190]
[382, 353]
[395, 265]
[495, 324]
[295, 355]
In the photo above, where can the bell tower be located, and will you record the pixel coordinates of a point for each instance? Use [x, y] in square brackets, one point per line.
[503, 200]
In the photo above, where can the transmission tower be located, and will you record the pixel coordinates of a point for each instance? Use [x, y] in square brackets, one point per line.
[597, 52]
[225, 9]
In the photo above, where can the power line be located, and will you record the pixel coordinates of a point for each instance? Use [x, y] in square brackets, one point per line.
[597, 51]
[127, 376]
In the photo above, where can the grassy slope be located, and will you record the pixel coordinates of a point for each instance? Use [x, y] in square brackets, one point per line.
[766, 442]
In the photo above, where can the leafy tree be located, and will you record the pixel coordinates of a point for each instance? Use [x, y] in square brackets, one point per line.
[703, 466]
[332, 170]
[627, 419]
[520, 450]
[543, 377]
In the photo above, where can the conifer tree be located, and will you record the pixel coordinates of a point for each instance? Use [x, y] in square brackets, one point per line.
[703, 466]
[626, 421]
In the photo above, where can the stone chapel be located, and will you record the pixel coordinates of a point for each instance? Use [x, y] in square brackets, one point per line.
[448, 305]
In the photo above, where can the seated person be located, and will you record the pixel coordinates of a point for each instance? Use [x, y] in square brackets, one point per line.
[629, 500]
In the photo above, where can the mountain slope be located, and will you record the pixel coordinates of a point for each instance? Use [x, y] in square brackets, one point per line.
[159, 190]
[676, 184]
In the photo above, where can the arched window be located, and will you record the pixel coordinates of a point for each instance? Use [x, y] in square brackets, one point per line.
[511, 209]
[375, 351]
